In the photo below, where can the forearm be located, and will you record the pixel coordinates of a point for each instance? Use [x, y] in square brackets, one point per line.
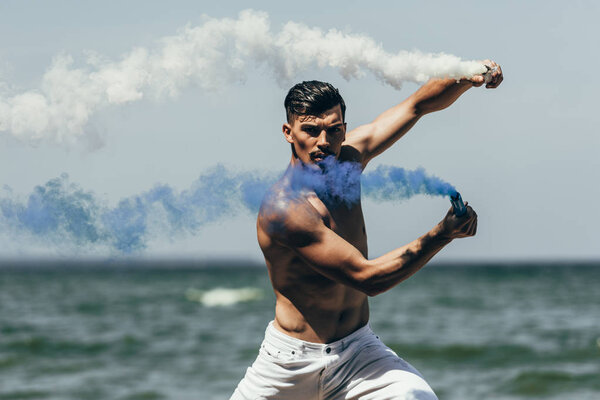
[387, 271]
[374, 138]
[438, 94]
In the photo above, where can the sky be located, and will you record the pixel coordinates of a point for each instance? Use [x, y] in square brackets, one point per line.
[524, 155]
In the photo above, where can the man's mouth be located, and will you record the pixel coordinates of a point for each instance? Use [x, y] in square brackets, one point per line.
[320, 156]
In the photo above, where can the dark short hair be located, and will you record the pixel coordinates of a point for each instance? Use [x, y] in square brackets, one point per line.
[312, 98]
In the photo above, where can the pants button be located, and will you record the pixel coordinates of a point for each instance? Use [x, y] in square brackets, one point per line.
[328, 350]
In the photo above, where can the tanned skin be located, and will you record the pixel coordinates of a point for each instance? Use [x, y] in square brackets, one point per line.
[316, 253]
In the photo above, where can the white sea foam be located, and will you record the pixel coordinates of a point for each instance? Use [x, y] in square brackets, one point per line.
[223, 296]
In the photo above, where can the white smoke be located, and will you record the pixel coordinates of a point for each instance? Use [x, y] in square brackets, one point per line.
[218, 52]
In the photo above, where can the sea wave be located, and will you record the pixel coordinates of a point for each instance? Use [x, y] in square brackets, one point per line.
[49, 347]
[223, 296]
[461, 352]
[493, 355]
[547, 382]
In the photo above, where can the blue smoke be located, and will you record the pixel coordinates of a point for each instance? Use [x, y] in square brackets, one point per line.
[395, 183]
[62, 212]
[333, 181]
[343, 181]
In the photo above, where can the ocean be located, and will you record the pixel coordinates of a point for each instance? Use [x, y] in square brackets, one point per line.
[173, 331]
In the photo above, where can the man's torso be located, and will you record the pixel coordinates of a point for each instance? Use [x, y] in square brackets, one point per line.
[309, 305]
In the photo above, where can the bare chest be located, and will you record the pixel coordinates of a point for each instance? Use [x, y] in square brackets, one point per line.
[347, 222]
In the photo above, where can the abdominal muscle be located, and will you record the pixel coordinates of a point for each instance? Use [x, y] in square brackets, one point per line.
[321, 311]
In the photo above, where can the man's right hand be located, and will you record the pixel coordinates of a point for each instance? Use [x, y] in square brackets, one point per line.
[455, 227]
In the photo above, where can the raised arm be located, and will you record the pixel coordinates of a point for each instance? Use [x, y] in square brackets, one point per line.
[302, 230]
[374, 138]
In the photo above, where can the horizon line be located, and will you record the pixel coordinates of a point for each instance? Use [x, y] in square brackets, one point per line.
[132, 263]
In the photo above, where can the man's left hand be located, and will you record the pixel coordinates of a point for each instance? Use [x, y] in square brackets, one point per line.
[495, 78]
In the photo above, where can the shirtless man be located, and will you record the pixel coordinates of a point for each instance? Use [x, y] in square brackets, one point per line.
[320, 345]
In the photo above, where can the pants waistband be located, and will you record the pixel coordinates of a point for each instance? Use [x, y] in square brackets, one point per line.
[290, 344]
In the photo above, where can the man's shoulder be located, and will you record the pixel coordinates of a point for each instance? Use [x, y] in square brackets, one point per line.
[284, 211]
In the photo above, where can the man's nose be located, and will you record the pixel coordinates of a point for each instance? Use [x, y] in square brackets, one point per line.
[323, 139]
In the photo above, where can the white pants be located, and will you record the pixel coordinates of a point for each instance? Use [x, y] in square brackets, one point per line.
[358, 366]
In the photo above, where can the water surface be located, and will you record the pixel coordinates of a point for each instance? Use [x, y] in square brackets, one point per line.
[162, 332]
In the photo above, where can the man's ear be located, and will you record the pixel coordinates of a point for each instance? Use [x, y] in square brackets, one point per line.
[287, 132]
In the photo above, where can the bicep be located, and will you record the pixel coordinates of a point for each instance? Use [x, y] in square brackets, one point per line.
[302, 230]
[374, 138]
[334, 257]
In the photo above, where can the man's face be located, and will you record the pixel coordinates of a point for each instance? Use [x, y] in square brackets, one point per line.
[316, 137]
